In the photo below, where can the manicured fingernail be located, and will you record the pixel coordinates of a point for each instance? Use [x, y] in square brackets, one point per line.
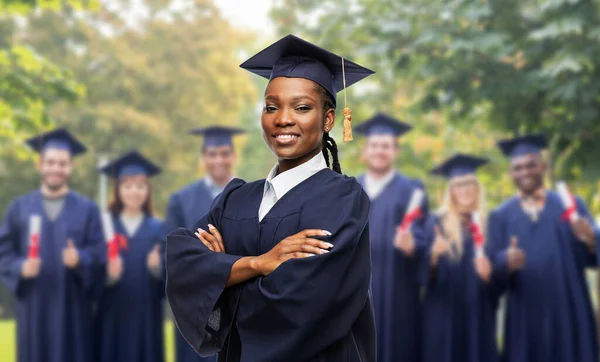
[311, 254]
[210, 226]
[326, 232]
[330, 245]
[197, 235]
[324, 251]
[201, 231]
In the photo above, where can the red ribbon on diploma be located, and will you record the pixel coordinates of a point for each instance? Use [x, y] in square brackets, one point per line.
[118, 243]
[34, 246]
[477, 235]
[410, 218]
[570, 211]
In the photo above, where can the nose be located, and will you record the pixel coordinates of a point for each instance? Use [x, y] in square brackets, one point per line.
[285, 118]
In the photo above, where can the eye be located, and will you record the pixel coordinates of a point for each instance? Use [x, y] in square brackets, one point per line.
[270, 108]
[303, 108]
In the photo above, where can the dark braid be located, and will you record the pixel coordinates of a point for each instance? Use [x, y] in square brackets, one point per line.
[329, 145]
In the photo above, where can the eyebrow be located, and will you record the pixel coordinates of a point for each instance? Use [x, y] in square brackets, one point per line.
[294, 99]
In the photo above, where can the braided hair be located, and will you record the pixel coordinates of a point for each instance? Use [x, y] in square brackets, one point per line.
[329, 145]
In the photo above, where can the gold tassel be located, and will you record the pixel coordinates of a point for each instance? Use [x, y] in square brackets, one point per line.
[347, 124]
[347, 111]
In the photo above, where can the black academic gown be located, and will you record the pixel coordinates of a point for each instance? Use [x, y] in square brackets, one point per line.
[129, 321]
[458, 308]
[312, 309]
[54, 310]
[395, 285]
[549, 315]
[185, 208]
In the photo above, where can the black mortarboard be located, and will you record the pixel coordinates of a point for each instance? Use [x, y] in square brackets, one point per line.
[57, 139]
[382, 124]
[130, 164]
[459, 165]
[523, 145]
[217, 135]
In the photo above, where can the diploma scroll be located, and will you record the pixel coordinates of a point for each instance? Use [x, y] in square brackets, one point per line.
[414, 209]
[35, 228]
[568, 202]
[477, 232]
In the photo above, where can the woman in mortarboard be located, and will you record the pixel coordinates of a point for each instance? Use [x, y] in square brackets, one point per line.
[282, 268]
[51, 248]
[129, 321]
[539, 257]
[458, 308]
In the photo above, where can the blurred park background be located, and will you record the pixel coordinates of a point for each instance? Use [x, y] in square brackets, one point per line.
[139, 74]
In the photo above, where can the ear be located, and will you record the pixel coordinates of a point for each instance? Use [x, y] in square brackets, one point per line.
[329, 121]
[38, 163]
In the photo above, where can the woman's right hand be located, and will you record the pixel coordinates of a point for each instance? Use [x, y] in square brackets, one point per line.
[115, 269]
[440, 246]
[300, 245]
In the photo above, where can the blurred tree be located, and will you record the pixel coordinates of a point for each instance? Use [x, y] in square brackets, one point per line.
[149, 78]
[515, 66]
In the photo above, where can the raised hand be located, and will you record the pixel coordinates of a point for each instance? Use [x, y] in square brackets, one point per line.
[300, 245]
[404, 241]
[114, 269]
[483, 268]
[213, 239]
[31, 268]
[153, 258]
[70, 255]
[584, 232]
[515, 256]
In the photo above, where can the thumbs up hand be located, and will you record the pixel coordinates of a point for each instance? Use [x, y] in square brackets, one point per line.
[70, 255]
[30, 268]
[441, 246]
[515, 256]
[404, 241]
[483, 267]
[153, 259]
[115, 269]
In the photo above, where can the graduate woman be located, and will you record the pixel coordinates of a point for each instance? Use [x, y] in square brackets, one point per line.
[458, 309]
[129, 322]
[282, 268]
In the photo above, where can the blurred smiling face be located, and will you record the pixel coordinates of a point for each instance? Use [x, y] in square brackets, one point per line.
[380, 152]
[55, 167]
[133, 191]
[219, 161]
[527, 172]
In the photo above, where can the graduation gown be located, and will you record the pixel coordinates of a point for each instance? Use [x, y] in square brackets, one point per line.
[549, 314]
[395, 284]
[54, 310]
[458, 308]
[185, 208]
[129, 321]
[311, 309]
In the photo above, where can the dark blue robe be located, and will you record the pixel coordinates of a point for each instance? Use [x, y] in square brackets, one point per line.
[458, 308]
[549, 314]
[313, 309]
[129, 321]
[395, 285]
[185, 208]
[54, 310]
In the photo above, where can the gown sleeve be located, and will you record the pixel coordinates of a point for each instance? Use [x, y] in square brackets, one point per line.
[10, 257]
[306, 305]
[196, 279]
[592, 258]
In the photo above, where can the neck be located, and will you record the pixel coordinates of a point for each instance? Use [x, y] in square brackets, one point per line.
[54, 193]
[131, 211]
[378, 174]
[288, 164]
[532, 192]
[222, 181]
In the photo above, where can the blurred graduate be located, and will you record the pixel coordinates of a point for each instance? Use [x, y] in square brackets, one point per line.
[459, 309]
[129, 320]
[394, 249]
[51, 248]
[282, 268]
[189, 204]
[539, 258]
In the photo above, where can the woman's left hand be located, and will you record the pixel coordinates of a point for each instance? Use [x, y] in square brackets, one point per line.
[213, 239]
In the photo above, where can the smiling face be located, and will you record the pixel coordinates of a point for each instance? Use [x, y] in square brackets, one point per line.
[55, 167]
[380, 152]
[465, 190]
[294, 120]
[219, 161]
[527, 172]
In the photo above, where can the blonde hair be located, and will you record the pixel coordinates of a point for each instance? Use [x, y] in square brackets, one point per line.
[450, 214]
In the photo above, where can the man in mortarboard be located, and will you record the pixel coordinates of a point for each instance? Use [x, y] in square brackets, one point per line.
[539, 258]
[189, 204]
[51, 248]
[394, 251]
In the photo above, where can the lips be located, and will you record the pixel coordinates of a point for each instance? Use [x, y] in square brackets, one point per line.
[286, 138]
